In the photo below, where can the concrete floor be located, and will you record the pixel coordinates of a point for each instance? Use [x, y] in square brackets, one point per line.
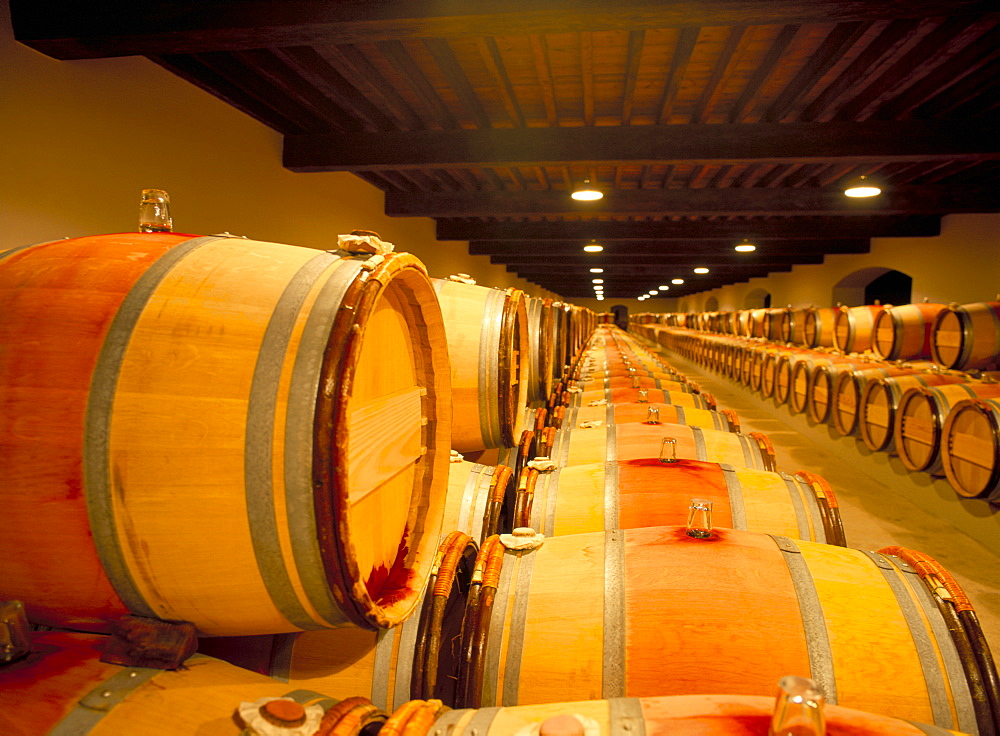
[877, 508]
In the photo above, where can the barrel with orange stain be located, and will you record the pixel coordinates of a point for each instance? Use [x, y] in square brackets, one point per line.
[653, 611]
[190, 437]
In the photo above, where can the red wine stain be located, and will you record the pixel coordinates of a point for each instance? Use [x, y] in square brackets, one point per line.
[388, 586]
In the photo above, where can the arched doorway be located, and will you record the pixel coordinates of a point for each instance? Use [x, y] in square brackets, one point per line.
[874, 284]
[757, 299]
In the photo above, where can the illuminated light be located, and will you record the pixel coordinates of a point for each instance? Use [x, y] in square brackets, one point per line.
[593, 248]
[701, 270]
[600, 298]
[587, 193]
[597, 281]
[746, 246]
[662, 288]
[676, 281]
[653, 292]
[862, 187]
[597, 270]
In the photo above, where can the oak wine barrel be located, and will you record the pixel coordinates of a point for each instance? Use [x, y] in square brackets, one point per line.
[684, 715]
[970, 447]
[879, 401]
[854, 328]
[487, 332]
[967, 336]
[191, 438]
[818, 327]
[658, 612]
[920, 419]
[849, 385]
[904, 332]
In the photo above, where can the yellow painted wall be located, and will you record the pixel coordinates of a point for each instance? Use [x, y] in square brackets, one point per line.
[961, 265]
[81, 139]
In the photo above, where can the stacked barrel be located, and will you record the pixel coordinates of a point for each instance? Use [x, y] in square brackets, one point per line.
[266, 465]
[918, 380]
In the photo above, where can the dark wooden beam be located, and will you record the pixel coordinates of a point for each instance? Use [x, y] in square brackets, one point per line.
[672, 249]
[600, 259]
[750, 202]
[616, 269]
[96, 28]
[802, 143]
[607, 231]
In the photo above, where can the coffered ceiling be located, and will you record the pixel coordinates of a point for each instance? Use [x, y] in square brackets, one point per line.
[703, 123]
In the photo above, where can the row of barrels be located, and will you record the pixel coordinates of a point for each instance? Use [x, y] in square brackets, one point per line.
[611, 609]
[937, 421]
[954, 336]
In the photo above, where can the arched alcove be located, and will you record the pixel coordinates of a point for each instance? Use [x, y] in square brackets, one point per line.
[711, 304]
[757, 299]
[868, 285]
[620, 312]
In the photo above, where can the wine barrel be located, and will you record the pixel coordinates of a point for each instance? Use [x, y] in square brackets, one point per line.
[792, 326]
[705, 715]
[636, 441]
[654, 611]
[880, 399]
[487, 332]
[920, 419]
[653, 395]
[540, 349]
[904, 332]
[480, 499]
[967, 336]
[193, 439]
[723, 421]
[802, 373]
[849, 385]
[771, 322]
[756, 324]
[854, 328]
[639, 493]
[64, 688]
[780, 360]
[818, 327]
[970, 447]
[824, 380]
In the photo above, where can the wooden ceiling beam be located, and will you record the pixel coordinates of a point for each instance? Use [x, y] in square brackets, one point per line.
[664, 260]
[694, 250]
[87, 29]
[751, 202]
[790, 143]
[610, 231]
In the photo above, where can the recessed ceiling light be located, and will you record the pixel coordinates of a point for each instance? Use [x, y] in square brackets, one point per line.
[653, 292]
[676, 281]
[597, 270]
[586, 193]
[600, 298]
[593, 248]
[746, 246]
[597, 281]
[701, 270]
[862, 187]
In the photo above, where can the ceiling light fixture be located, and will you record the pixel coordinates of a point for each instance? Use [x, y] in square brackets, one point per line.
[593, 247]
[586, 193]
[653, 292]
[746, 246]
[701, 270]
[600, 298]
[862, 187]
[597, 270]
[597, 281]
[676, 281]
